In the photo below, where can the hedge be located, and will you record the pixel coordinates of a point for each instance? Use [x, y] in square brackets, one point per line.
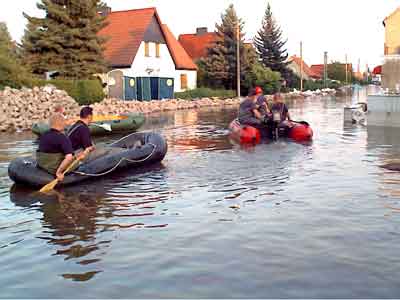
[83, 91]
[205, 93]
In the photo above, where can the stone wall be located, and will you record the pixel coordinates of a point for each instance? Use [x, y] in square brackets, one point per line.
[20, 109]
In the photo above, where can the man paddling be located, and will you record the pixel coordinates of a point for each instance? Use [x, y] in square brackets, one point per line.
[79, 133]
[55, 151]
[61, 110]
[80, 136]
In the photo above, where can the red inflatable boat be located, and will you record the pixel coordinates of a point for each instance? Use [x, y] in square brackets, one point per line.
[244, 134]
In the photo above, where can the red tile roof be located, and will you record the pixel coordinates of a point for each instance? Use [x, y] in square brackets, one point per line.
[196, 44]
[306, 68]
[318, 70]
[179, 55]
[125, 32]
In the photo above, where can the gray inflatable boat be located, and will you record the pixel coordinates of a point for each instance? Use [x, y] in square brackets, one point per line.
[134, 150]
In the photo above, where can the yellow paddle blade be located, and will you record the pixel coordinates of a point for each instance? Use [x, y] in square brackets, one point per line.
[49, 187]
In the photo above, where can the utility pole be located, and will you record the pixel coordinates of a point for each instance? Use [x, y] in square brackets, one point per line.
[238, 58]
[325, 68]
[301, 66]
[346, 70]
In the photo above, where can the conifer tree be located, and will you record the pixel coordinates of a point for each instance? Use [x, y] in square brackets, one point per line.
[12, 73]
[221, 61]
[270, 46]
[66, 39]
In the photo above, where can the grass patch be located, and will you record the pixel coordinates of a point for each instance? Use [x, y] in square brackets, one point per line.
[205, 93]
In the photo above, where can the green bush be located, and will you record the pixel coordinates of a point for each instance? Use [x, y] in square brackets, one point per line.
[84, 92]
[205, 93]
[263, 77]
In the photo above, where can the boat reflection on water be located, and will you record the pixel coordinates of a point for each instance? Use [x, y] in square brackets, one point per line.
[77, 220]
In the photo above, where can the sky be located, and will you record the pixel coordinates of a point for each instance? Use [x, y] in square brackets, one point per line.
[340, 27]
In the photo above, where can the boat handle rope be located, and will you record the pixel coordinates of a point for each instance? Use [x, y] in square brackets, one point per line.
[117, 165]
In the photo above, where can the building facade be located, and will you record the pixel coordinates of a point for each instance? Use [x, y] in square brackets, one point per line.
[146, 60]
[391, 65]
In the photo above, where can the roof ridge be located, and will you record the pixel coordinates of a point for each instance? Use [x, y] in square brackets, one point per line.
[182, 59]
[195, 33]
[134, 9]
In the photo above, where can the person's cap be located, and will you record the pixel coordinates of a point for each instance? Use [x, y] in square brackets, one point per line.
[252, 92]
[86, 111]
[259, 90]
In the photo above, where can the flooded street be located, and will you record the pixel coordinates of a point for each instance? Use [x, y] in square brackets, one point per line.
[214, 219]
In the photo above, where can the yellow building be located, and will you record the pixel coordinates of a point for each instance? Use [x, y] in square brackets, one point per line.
[392, 33]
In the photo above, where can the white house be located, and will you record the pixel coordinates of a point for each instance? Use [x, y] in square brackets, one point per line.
[147, 60]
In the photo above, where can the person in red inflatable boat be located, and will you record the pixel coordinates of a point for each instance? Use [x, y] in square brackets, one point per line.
[280, 115]
[262, 103]
[249, 113]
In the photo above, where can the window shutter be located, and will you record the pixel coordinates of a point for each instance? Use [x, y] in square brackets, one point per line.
[157, 50]
[146, 49]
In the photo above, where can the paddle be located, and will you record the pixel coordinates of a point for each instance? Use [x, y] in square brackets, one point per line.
[50, 186]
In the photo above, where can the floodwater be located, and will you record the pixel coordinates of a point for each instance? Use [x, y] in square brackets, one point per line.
[215, 220]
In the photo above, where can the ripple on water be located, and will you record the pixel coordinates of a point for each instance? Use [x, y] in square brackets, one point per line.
[322, 216]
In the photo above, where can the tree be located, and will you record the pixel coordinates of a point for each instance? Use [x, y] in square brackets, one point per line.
[337, 71]
[220, 65]
[66, 39]
[270, 46]
[12, 72]
[263, 77]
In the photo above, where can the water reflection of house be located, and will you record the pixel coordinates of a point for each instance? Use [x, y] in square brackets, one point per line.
[146, 59]
[186, 118]
[384, 143]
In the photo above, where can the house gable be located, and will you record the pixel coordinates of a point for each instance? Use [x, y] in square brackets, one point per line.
[154, 33]
[392, 32]
[124, 33]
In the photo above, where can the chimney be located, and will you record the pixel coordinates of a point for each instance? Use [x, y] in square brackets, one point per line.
[104, 10]
[201, 30]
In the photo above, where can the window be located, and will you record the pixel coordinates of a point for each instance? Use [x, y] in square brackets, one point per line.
[147, 49]
[157, 50]
[184, 82]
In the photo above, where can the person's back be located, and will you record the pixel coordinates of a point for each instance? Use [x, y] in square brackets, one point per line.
[262, 105]
[246, 109]
[54, 147]
[79, 133]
